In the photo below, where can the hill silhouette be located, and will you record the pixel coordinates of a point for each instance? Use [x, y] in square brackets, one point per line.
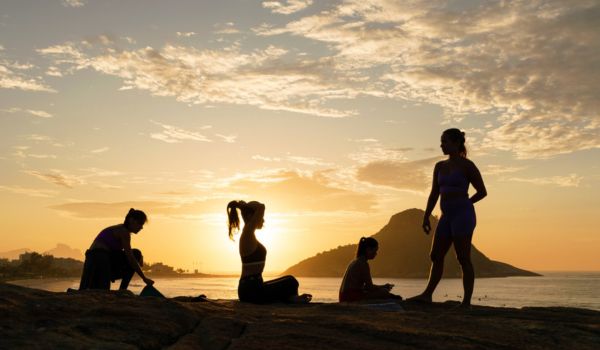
[403, 253]
[60, 251]
[14, 254]
[64, 251]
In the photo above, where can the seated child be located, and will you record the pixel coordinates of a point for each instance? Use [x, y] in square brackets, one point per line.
[357, 284]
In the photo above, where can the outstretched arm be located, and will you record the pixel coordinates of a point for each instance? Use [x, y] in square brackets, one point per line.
[368, 281]
[126, 242]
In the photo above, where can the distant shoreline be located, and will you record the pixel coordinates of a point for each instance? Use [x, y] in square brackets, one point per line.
[28, 280]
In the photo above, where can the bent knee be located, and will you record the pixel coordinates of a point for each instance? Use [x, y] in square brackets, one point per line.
[295, 282]
[137, 254]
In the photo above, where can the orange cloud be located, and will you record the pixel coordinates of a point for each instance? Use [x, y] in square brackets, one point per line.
[414, 175]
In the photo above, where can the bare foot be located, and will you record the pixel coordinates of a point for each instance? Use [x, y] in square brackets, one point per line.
[465, 306]
[301, 299]
[421, 298]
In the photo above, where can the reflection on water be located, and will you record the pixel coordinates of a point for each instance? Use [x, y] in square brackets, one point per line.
[573, 289]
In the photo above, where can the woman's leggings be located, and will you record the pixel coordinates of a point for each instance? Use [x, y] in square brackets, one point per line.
[458, 218]
[252, 289]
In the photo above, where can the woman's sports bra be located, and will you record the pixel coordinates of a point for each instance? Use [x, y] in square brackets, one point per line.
[258, 256]
[454, 182]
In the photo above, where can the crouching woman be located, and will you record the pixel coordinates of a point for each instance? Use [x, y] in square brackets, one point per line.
[110, 256]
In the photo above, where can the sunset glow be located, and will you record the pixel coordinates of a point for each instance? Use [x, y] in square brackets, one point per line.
[330, 113]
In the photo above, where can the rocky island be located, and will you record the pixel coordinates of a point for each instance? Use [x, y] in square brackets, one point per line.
[403, 253]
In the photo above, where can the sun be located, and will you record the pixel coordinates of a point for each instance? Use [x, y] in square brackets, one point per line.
[270, 234]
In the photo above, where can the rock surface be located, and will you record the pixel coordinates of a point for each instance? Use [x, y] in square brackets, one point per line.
[403, 253]
[39, 319]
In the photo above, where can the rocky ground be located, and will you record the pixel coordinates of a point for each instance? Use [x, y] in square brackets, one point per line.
[32, 318]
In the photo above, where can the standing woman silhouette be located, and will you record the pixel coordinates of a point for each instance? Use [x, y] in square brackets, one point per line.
[251, 287]
[451, 179]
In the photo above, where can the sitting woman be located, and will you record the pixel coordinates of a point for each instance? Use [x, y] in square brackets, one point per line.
[251, 287]
[357, 284]
[111, 258]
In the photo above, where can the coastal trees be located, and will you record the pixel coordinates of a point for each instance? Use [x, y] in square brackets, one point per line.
[35, 265]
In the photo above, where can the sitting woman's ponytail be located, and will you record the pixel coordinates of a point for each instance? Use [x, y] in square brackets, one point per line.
[233, 220]
[364, 243]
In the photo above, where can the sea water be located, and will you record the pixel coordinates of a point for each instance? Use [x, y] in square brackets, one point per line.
[569, 289]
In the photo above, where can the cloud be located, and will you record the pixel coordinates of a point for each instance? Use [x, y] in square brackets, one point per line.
[266, 159]
[43, 138]
[90, 177]
[73, 3]
[544, 137]
[291, 191]
[287, 7]
[37, 137]
[281, 190]
[41, 114]
[227, 28]
[32, 192]
[311, 161]
[495, 169]
[37, 113]
[57, 177]
[571, 180]
[67, 50]
[91, 172]
[18, 66]
[227, 138]
[10, 79]
[54, 72]
[533, 64]
[185, 34]
[21, 153]
[173, 134]
[100, 150]
[261, 77]
[98, 210]
[407, 175]
[372, 150]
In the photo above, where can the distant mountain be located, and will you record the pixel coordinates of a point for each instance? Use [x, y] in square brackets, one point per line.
[403, 253]
[64, 251]
[14, 254]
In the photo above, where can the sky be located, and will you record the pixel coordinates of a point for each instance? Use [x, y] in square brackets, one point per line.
[329, 112]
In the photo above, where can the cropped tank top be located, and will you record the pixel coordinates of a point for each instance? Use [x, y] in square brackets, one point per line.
[258, 256]
[108, 238]
[454, 182]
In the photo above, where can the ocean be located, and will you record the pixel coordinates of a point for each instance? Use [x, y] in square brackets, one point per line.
[569, 289]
